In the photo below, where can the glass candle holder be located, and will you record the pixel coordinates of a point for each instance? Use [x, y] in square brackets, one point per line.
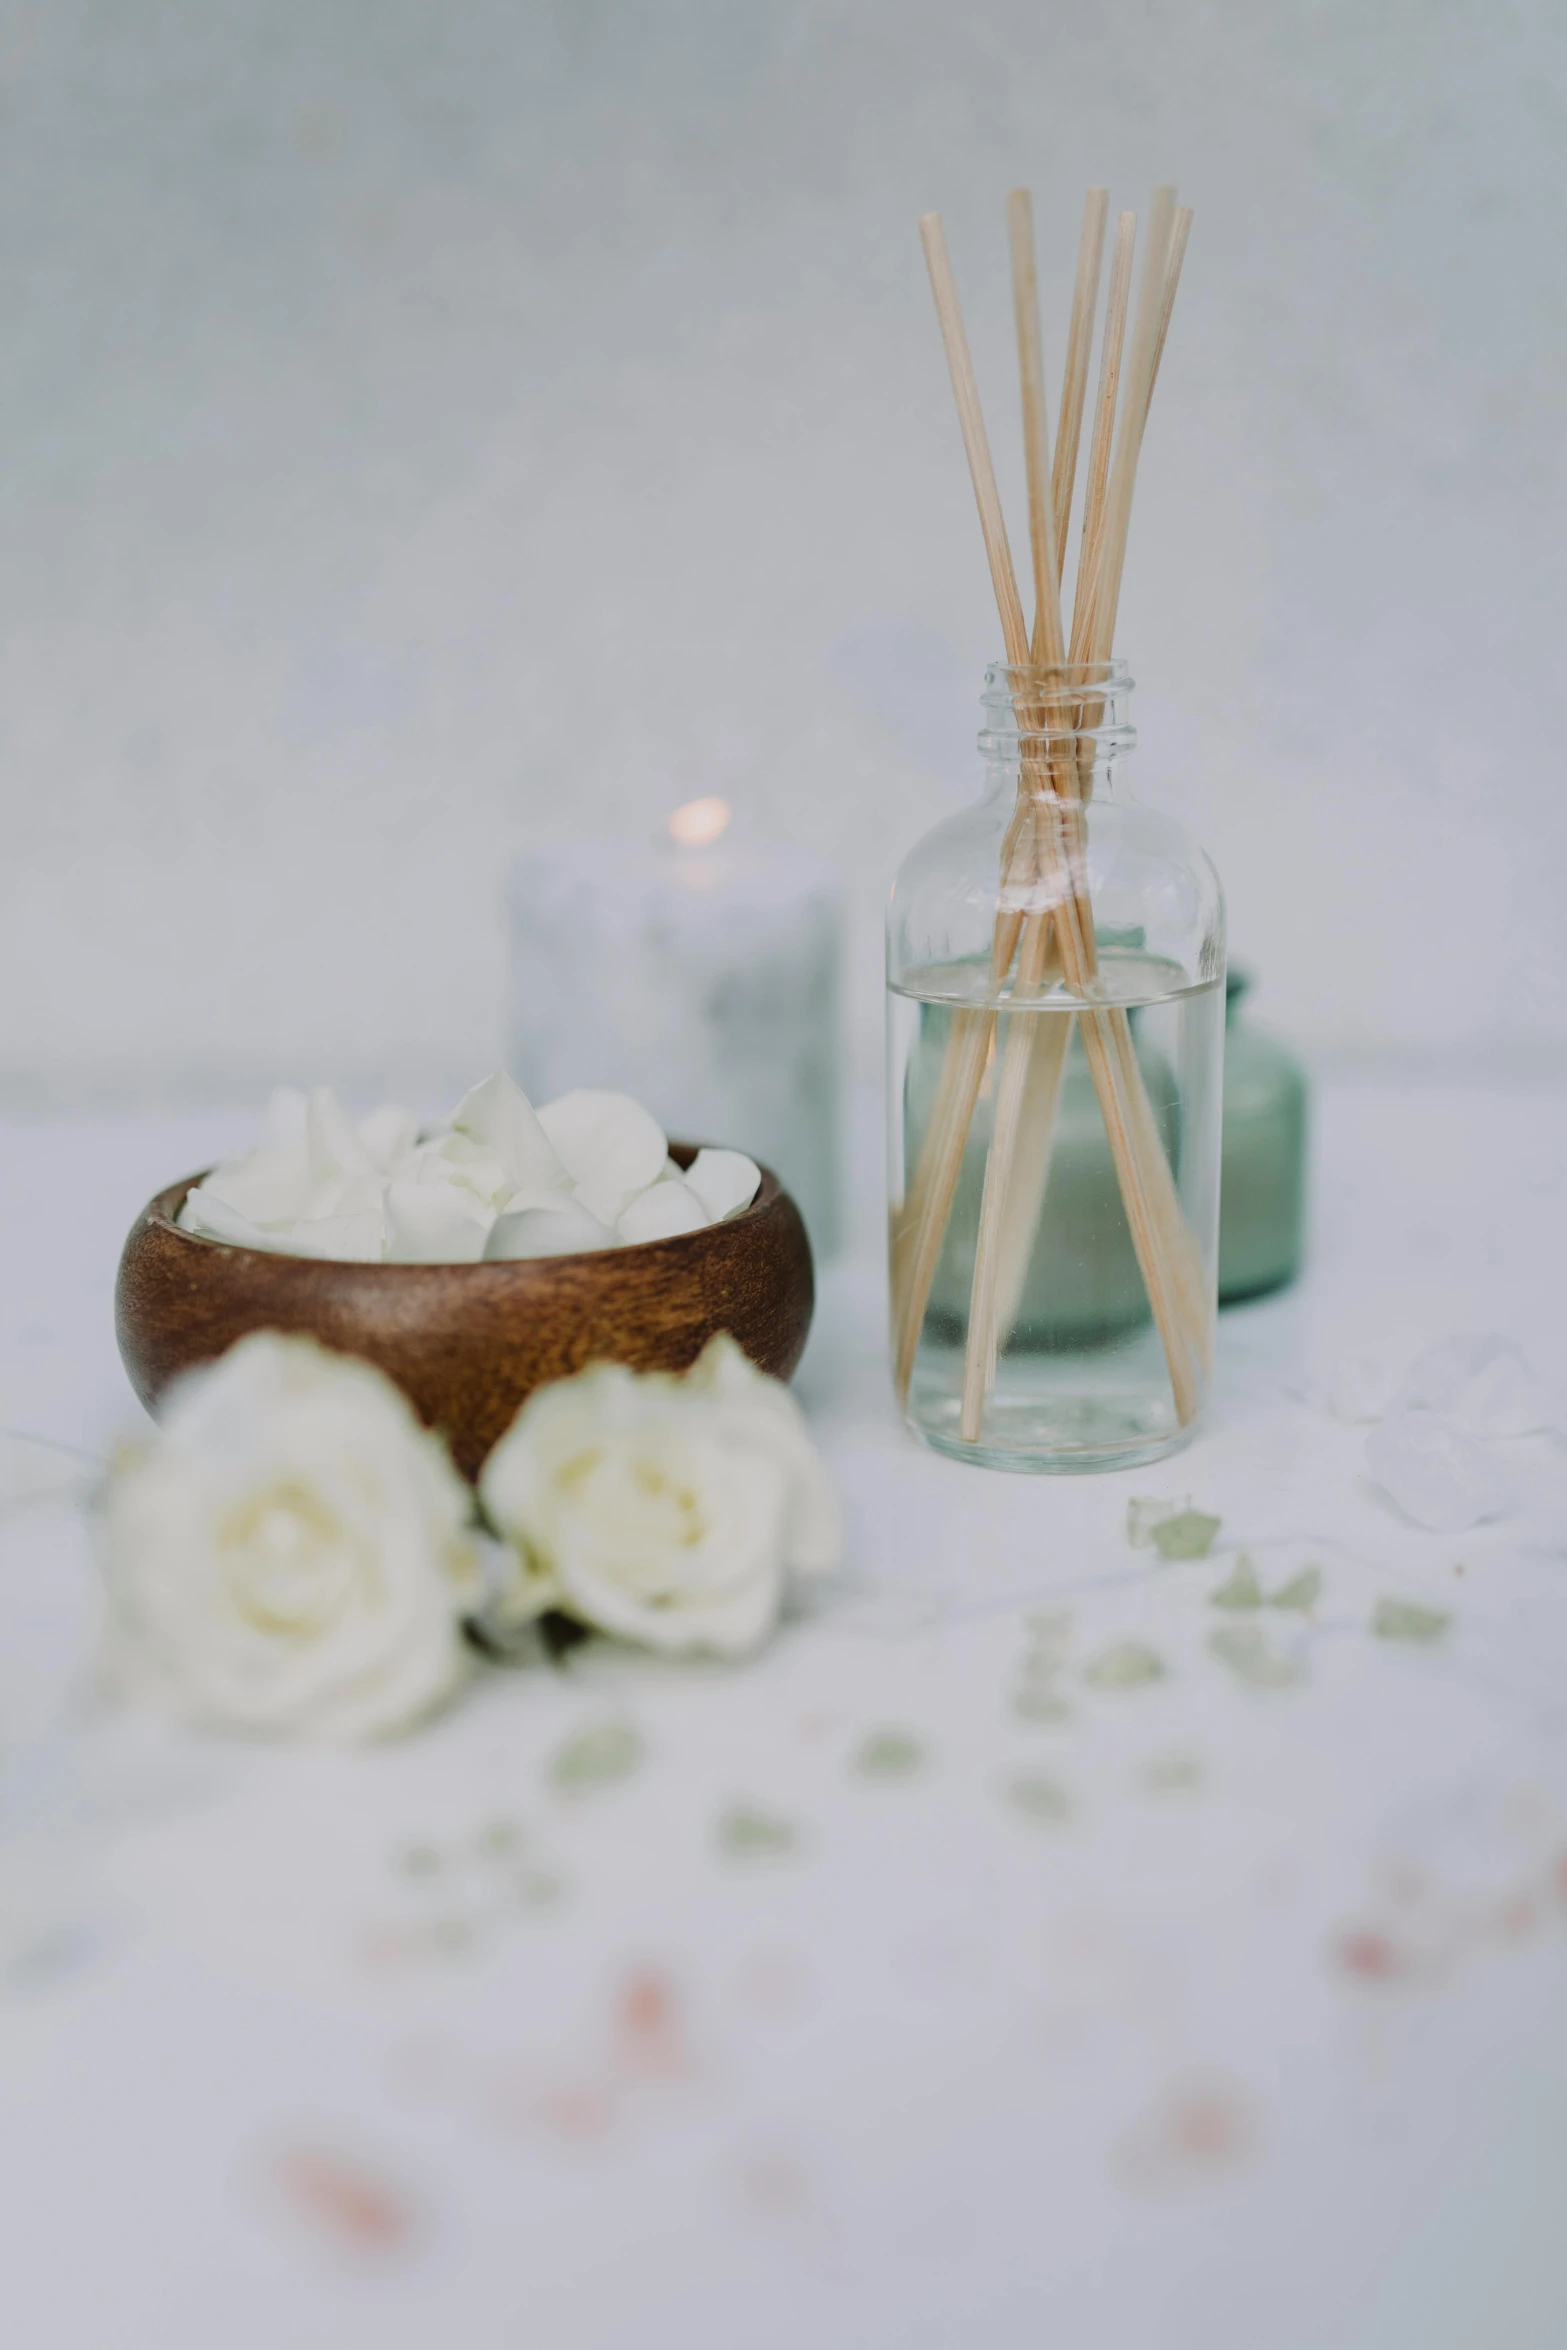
[700, 974]
[1055, 972]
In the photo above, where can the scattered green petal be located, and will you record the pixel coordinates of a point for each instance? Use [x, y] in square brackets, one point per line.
[1143, 1517]
[1041, 1798]
[1187, 1535]
[1049, 1627]
[452, 1935]
[1129, 1664]
[537, 1889]
[1172, 1528]
[1240, 1588]
[1034, 1703]
[596, 1757]
[747, 1834]
[1402, 1619]
[1301, 1592]
[1246, 1649]
[500, 1838]
[1177, 1773]
[419, 1860]
[889, 1754]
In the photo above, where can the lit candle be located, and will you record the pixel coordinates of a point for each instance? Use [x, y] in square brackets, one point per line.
[699, 973]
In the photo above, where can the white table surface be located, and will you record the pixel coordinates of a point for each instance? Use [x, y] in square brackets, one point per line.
[1261, 2043]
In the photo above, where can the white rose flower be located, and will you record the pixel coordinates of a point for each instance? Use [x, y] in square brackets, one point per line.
[668, 1511]
[291, 1552]
[762, 1412]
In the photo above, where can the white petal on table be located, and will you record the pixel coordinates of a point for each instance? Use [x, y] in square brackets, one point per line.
[1479, 1384]
[1438, 1476]
[547, 1225]
[661, 1211]
[1359, 1388]
[611, 1146]
[432, 1223]
[500, 1115]
[725, 1181]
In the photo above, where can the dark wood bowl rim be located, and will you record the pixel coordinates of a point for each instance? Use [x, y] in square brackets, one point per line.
[164, 1206]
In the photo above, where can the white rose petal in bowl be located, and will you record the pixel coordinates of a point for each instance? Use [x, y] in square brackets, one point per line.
[612, 1148]
[342, 1240]
[434, 1223]
[388, 1134]
[457, 1158]
[344, 1218]
[331, 1140]
[661, 1211]
[725, 1181]
[499, 1114]
[546, 1224]
[207, 1213]
[268, 1186]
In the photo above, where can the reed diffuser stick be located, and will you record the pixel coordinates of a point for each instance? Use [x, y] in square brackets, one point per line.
[1046, 643]
[1020, 1086]
[1025, 1198]
[1172, 280]
[1079, 349]
[928, 1204]
[1094, 608]
[976, 443]
[1098, 601]
[1110, 349]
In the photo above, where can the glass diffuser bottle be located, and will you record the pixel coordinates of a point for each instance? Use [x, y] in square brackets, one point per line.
[1055, 968]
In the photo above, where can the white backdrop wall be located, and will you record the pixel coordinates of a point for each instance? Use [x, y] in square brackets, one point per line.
[429, 427]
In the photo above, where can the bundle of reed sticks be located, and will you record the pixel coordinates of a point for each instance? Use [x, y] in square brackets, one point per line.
[1044, 924]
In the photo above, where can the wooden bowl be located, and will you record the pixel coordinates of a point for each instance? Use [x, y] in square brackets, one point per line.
[466, 1343]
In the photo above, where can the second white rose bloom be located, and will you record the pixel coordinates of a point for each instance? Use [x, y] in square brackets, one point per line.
[669, 1511]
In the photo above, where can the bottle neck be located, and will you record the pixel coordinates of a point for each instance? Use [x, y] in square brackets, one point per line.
[1056, 730]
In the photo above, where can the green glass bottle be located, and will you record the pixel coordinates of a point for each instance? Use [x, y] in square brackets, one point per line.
[1262, 1201]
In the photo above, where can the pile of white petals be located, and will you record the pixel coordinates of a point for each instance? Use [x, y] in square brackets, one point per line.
[499, 1180]
[292, 1554]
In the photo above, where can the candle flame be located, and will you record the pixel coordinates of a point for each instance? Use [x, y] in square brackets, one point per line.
[699, 822]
